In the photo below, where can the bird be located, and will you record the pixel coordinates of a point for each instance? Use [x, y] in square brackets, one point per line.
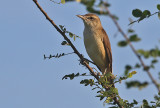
[97, 42]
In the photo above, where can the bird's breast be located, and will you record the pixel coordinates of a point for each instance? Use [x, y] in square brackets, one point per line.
[95, 48]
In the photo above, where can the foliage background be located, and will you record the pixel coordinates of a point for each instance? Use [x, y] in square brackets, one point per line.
[26, 80]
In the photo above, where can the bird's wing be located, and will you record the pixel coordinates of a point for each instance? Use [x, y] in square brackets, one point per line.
[108, 51]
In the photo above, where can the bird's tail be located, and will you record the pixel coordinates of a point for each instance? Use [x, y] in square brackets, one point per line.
[109, 68]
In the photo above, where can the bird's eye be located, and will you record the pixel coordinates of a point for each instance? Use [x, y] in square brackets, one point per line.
[91, 18]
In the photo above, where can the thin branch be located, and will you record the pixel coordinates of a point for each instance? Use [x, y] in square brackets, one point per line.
[133, 49]
[144, 18]
[89, 61]
[57, 55]
[73, 47]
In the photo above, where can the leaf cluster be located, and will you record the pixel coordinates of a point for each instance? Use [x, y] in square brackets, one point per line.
[132, 38]
[128, 75]
[151, 104]
[144, 14]
[150, 53]
[136, 84]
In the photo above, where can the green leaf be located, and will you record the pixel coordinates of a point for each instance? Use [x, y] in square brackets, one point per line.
[87, 82]
[152, 102]
[146, 13]
[104, 80]
[142, 17]
[61, 26]
[83, 74]
[115, 91]
[159, 15]
[77, 75]
[63, 1]
[110, 92]
[140, 51]
[135, 102]
[74, 38]
[145, 104]
[154, 52]
[158, 6]
[108, 100]
[152, 66]
[146, 68]
[131, 74]
[146, 54]
[106, 4]
[101, 97]
[136, 84]
[73, 35]
[71, 76]
[137, 13]
[64, 43]
[157, 97]
[122, 43]
[94, 88]
[130, 30]
[134, 38]
[121, 101]
[137, 65]
[154, 61]
[115, 17]
[127, 69]
[70, 34]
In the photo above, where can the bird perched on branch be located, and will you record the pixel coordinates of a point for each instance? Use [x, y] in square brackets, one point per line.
[97, 43]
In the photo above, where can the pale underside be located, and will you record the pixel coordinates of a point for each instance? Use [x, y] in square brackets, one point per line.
[95, 48]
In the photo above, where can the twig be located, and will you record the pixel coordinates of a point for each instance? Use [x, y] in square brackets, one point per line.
[144, 18]
[89, 61]
[57, 56]
[133, 49]
[73, 47]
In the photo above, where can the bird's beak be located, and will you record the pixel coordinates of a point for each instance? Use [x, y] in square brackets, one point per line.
[81, 16]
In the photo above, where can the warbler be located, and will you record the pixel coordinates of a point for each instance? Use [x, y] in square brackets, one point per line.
[97, 42]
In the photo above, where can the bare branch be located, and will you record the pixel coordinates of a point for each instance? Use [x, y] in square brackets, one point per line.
[57, 55]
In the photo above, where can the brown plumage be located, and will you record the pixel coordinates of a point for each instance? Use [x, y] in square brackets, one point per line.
[97, 43]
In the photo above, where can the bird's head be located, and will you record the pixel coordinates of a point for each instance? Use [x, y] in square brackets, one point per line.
[90, 20]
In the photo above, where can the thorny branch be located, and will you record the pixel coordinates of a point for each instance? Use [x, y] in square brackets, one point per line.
[133, 49]
[116, 101]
